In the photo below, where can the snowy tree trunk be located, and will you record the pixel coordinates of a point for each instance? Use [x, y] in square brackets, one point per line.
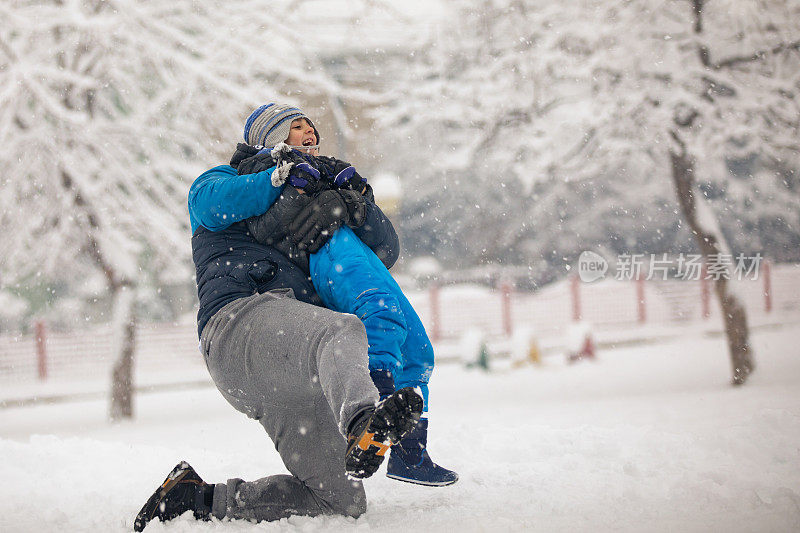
[119, 268]
[711, 242]
[124, 344]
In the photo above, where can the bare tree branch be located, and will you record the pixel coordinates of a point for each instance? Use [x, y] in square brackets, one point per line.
[755, 56]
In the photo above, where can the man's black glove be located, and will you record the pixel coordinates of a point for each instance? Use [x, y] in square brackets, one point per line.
[329, 210]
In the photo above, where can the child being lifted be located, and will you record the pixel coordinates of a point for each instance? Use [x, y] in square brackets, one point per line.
[345, 272]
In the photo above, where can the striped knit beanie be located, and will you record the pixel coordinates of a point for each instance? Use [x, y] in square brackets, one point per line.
[270, 124]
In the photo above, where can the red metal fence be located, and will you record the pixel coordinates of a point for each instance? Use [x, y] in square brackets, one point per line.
[448, 312]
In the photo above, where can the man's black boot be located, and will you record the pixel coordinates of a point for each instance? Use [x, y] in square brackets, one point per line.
[373, 432]
[182, 491]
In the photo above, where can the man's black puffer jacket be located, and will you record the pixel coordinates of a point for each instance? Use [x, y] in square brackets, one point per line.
[230, 264]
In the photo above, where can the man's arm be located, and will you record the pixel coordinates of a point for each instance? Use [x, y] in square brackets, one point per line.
[220, 197]
[331, 209]
[378, 233]
[273, 225]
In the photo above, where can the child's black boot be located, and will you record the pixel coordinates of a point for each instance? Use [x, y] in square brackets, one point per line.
[410, 462]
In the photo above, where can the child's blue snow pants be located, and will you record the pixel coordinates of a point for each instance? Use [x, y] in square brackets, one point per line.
[350, 278]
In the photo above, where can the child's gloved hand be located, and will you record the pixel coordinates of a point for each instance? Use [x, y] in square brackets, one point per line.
[304, 176]
[342, 174]
[305, 173]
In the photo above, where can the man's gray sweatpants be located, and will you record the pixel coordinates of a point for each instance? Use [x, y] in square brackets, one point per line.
[302, 372]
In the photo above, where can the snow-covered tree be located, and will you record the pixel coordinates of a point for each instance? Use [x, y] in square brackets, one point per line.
[721, 84]
[542, 129]
[546, 125]
[108, 110]
[744, 97]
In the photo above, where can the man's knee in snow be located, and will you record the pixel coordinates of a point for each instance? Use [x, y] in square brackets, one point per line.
[354, 503]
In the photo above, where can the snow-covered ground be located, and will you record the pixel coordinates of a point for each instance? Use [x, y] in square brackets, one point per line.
[647, 438]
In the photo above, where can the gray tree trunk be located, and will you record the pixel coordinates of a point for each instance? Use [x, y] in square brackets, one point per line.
[121, 287]
[710, 243]
[124, 345]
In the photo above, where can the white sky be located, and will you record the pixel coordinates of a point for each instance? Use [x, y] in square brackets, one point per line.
[337, 25]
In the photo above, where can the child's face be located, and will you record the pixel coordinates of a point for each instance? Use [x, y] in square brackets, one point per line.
[301, 133]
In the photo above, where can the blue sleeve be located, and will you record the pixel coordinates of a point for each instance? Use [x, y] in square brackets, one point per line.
[220, 197]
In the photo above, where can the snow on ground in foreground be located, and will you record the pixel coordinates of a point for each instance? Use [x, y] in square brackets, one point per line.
[644, 439]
